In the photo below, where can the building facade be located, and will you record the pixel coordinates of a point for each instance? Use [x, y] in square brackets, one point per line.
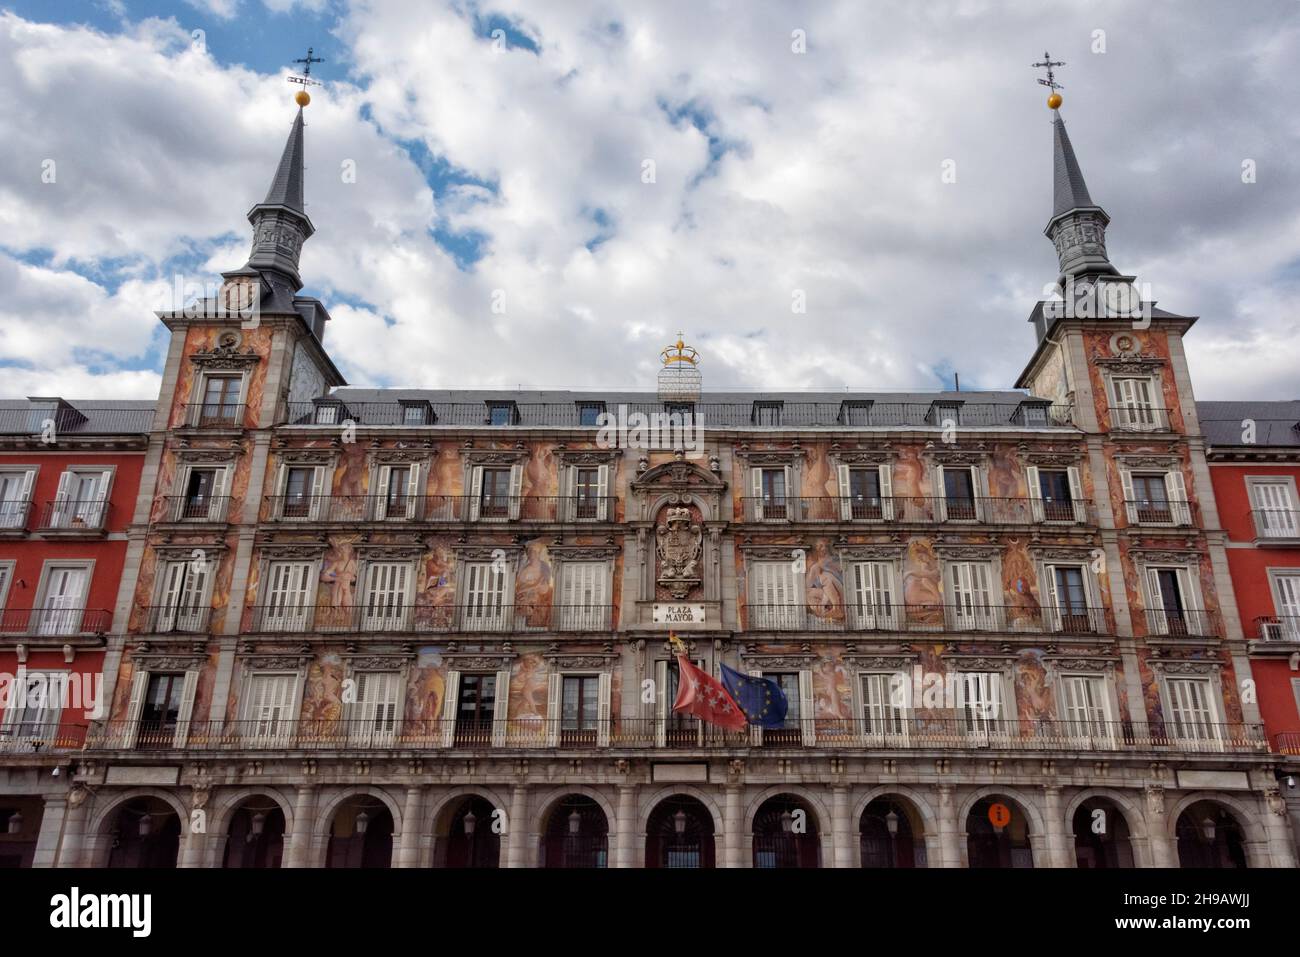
[69, 479]
[425, 628]
[1254, 455]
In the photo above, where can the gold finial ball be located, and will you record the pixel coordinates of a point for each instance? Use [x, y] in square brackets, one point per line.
[1054, 101]
[302, 97]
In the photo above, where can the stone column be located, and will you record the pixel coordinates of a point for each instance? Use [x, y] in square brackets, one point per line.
[408, 848]
[1163, 851]
[1281, 845]
[71, 848]
[841, 835]
[949, 831]
[1058, 850]
[304, 819]
[731, 827]
[517, 835]
[47, 841]
[625, 853]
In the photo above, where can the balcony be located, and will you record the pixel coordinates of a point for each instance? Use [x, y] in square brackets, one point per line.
[931, 618]
[27, 739]
[405, 619]
[1276, 526]
[1138, 418]
[54, 622]
[1158, 512]
[214, 415]
[1182, 623]
[917, 510]
[904, 732]
[73, 517]
[196, 509]
[345, 509]
[1278, 629]
[170, 620]
[1288, 742]
[13, 518]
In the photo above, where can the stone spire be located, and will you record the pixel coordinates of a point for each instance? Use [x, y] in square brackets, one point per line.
[280, 224]
[1078, 225]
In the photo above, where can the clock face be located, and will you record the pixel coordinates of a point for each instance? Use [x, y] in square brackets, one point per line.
[1119, 298]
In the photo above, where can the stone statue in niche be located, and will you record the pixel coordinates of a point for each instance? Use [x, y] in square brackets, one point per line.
[679, 542]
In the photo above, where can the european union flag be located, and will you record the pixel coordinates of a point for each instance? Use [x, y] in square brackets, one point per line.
[761, 699]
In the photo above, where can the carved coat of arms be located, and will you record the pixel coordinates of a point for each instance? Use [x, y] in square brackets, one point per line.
[679, 542]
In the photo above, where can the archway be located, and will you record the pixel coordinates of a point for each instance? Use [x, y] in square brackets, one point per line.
[890, 834]
[255, 837]
[998, 839]
[20, 826]
[361, 834]
[146, 832]
[576, 834]
[785, 834]
[679, 834]
[1210, 836]
[464, 835]
[1101, 835]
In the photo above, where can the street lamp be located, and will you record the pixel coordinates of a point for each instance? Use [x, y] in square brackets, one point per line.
[1208, 829]
[575, 821]
[363, 822]
[16, 822]
[470, 822]
[787, 821]
[679, 822]
[146, 824]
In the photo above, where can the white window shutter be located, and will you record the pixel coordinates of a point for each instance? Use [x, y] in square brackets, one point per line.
[1176, 489]
[1130, 497]
[757, 481]
[186, 712]
[414, 489]
[604, 688]
[29, 479]
[846, 492]
[65, 484]
[1035, 493]
[501, 710]
[282, 488]
[169, 599]
[450, 703]
[319, 492]
[1076, 494]
[602, 493]
[1053, 598]
[218, 504]
[475, 492]
[570, 572]
[139, 686]
[1156, 619]
[940, 495]
[384, 477]
[663, 706]
[516, 490]
[807, 709]
[886, 492]
[554, 695]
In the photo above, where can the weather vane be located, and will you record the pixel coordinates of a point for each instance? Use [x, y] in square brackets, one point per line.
[302, 97]
[1054, 100]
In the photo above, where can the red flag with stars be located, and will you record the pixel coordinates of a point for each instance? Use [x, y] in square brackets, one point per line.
[702, 695]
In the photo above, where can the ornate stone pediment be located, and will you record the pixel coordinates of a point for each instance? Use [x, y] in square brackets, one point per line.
[1184, 666]
[386, 662]
[494, 456]
[261, 662]
[677, 475]
[1051, 455]
[486, 553]
[581, 662]
[225, 354]
[1131, 364]
[882, 662]
[587, 456]
[942, 454]
[870, 553]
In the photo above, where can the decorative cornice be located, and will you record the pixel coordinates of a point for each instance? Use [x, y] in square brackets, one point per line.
[471, 553]
[384, 662]
[494, 456]
[273, 551]
[882, 455]
[295, 456]
[1131, 364]
[967, 551]
[770, 456]
[865, 553]
[191, 456]
[389, 551]
[882, 662]
[479, 661]
[767, 552]
[583, 553]
[581, 662]
[153, 661]
[587, 456]
[677, 475]
[1148, 461]
[269, 662]
[977, 454]
[1184, 666]
[776, 661]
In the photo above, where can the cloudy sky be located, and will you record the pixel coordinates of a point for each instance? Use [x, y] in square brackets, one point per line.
[500, 152]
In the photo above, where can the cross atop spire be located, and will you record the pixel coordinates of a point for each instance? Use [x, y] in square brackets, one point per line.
[1047, 63]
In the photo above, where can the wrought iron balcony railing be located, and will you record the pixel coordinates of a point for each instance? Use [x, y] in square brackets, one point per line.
[1183, 623]
[715, 415]
[28, 739]
[905, 509]
[74, 515]
[53, 621]
[195, 508]
[389, 618]
[14, 514]
[1138, 418]
[1277, 523]
[1278, 628]
[1068, 620]
[440, 508]
[899, 732]
[1145, 511]
[1288, 742]
[171, 619]
[215, 415]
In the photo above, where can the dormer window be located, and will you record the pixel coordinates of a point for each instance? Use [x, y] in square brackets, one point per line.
[945, 412]
[767, 413]
[589, 413]
[417, 413]
[681, 409]
[503, 413]
[855, 412]
[1033, 414]
[330, 412]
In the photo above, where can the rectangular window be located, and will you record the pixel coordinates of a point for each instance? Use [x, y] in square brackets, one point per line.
[503, 413]
[1192, 715]
[327, 414]
[1134, 409]
[767, 413]
[63, 605]
[855, 413]
[772, 492]
[959, 494]
[578, 707]
[884, 708]
[583, 597]
[864, 493]
[1068, 600]
[1152, 499]
[495, 499]
[6, 576]
[1083, 707]
[980, 704]
[15, 497]
[589, 412]
[81, 499]
[1173, 605]
[1286, 599]
[183, 601]
[486, 602]
[871, 596]
[476, 708]
[788, 682]
[970, 605]
[162, 708]
[299, 480]
[1275, 510]
[378, 708]
[290, 591]
[33, 707]
[399, 482]
[220, 400]
[203, 496]
[416, 413]
[1058, 499]
[588, 492]
[269, 708]
[387, 596]
[775, 599]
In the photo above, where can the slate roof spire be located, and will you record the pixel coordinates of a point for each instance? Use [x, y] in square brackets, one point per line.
[280, 223]
[1078, 225]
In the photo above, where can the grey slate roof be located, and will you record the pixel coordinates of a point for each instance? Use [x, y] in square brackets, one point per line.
[1069, 189]
[77, 416]
[1277, 424]
[286, 187]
